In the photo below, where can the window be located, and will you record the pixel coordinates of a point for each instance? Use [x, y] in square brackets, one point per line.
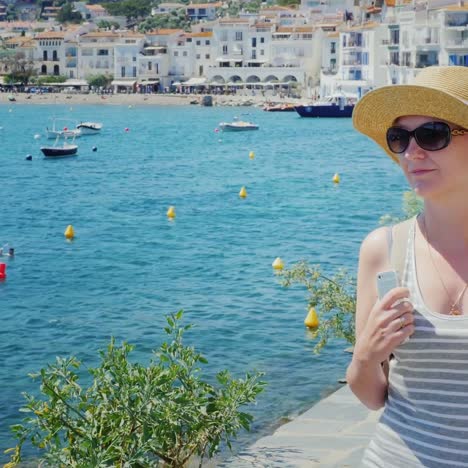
[238, 35]
[184, 53]
[157, 68]
[207, 42]
[262, 51]
[198, 56]
[198, 42]
[133, 59]
[134, 74]
[225, 49]
[87, 52]
[254, 42]
[122, 72]
[207, 56]
[176, 54]
[223, 36]
[44, 55]
[333, 48]
[150, 66]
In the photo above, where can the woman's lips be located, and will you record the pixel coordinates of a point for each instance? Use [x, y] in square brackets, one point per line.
[420, 171]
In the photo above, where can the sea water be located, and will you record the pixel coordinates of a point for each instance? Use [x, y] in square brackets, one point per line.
[129, 265]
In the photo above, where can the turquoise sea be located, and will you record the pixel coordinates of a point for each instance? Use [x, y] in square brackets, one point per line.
[129, 265]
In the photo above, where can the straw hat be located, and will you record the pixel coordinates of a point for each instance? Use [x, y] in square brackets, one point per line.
[440, 92]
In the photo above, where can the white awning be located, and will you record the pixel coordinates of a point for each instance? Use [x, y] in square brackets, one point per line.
[123, 83]
[229, 59]
[68, 83]
[148, 82]
[76, 83]
[194, 82]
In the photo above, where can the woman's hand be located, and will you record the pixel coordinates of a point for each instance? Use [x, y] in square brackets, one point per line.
[390, 322]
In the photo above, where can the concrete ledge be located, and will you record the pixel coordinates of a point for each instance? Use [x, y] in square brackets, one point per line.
[333, 433]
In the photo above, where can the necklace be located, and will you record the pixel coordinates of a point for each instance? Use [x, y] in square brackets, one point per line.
[455, 308]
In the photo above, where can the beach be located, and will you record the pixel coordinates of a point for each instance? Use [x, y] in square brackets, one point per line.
[135, 99]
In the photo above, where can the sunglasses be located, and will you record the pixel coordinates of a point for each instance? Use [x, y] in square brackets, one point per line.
[431, 136]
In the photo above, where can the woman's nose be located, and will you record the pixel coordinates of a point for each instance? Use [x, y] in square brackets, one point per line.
[414, 151]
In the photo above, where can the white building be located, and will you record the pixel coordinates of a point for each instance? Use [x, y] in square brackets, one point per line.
[203, 11]
[359, 65]
[417, 38]
[113, 53]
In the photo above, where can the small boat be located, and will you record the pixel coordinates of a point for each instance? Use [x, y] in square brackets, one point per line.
[11, 98]
[237, 126]
[330, 106]
[89, 128]
[279, 108]
[65, 131]
[56, 151]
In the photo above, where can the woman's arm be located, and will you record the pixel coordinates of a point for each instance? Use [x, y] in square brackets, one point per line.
[378, 325]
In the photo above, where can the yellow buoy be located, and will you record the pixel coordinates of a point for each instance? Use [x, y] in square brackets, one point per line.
[243, 192]
[311, 321]
[251, 155]
[171, 212]
[69, 232]
[336, 178]
[278, 264]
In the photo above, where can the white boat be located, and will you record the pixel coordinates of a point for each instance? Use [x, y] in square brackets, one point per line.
[64, 128]
[89, 128]
[237, 126]
[60, 151]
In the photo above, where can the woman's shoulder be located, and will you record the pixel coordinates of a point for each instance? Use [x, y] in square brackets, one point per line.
[375, 247]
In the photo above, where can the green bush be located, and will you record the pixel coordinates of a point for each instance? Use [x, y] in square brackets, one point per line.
[334, 297]
[132, 415]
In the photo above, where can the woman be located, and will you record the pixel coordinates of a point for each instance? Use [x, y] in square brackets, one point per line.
[411, 352]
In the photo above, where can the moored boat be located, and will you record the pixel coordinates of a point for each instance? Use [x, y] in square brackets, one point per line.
[89, 128]
[237, 126]
[279, 108]
[65, 131]
[59, 151]
[330, 106]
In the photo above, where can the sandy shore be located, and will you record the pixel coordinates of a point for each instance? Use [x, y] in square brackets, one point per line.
[139, 99]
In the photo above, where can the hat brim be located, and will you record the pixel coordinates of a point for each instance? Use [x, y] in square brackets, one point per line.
[377, 111]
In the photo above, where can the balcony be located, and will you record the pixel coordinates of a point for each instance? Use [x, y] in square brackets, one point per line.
[457, 44]
[330, 71]
[352, 63]
[424, 63]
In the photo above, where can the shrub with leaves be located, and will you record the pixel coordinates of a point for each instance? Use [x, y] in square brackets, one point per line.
[334, 297]
[133, 415]
[412, 205]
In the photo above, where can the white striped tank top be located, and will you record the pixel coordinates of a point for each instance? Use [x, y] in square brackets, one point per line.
[425, 420]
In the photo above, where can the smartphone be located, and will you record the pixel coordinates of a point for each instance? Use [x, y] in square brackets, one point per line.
[386, 280]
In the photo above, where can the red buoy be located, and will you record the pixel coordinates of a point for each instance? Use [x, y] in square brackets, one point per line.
[2, 271]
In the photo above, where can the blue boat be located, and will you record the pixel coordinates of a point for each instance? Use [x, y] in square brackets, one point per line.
[330, 106]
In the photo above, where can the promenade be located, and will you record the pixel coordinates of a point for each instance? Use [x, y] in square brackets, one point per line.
[241, 99]
[333, 433]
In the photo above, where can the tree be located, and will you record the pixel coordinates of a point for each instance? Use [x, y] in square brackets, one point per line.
[132, 415]
[334, 296]
[131, 9]
[104, 24]
[19, 68]
[67, 15]
[99, 81]
[176, 19]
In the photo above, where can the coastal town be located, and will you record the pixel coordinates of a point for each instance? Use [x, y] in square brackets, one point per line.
[318, 48]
